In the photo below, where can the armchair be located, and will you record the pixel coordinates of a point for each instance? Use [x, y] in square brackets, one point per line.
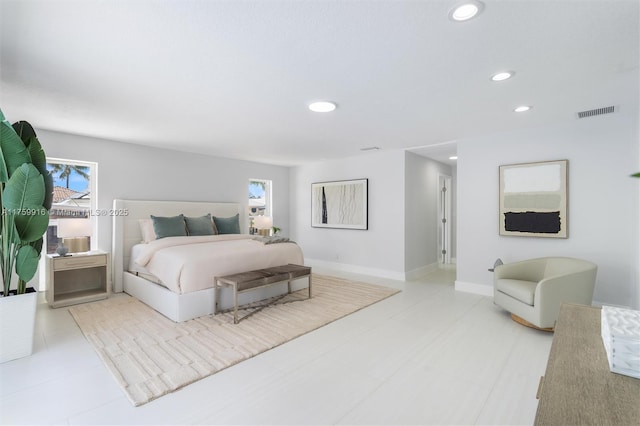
[533, 290]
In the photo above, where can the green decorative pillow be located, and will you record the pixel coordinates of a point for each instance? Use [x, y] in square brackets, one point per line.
[169, 226]
[199, 225]
[227, 225]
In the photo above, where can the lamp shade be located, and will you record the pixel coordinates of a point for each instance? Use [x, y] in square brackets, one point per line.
[76, 227]
[263, 222]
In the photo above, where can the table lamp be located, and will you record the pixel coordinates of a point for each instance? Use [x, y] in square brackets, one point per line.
[263, 224]
[73, 235]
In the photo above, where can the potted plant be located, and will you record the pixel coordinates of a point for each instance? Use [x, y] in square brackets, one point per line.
[26, 193]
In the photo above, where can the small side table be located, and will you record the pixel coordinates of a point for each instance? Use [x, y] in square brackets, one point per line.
[79, 278]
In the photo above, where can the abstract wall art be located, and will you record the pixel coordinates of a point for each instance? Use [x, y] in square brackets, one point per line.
[533, 199]
[340, 204]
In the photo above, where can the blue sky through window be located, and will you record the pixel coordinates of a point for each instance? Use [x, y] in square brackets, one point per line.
[77, 182]
[256, 190]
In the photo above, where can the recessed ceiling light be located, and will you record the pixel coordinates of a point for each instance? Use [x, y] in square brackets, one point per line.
[466, 10]
[504, 75]
[522, 108]
[322, 106]
[453, 157]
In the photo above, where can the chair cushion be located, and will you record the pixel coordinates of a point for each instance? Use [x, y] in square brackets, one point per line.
[518, 289]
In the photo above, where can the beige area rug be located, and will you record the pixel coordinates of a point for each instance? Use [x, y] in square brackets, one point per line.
[150, 355]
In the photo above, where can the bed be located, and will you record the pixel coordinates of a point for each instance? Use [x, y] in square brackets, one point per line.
[175, 275]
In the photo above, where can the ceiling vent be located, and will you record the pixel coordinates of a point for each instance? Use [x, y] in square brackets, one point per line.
[370, 148]
[597, 111]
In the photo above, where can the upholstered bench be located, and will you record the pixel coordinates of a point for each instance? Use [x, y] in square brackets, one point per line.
[251, 280]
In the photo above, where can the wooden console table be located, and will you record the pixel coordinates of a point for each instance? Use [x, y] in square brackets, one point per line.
[578, 388]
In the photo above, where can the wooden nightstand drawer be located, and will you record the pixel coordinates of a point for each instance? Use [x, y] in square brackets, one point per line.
[75, 262]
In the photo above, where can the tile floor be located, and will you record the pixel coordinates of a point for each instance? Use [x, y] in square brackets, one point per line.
[428, 355]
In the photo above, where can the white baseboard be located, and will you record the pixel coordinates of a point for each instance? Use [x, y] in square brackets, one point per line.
[343, 267]
[384, 273]
[481, 289]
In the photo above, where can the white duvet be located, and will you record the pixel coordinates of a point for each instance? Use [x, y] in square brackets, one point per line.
[186, 264]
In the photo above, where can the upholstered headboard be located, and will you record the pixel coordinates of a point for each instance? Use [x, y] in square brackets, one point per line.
[126, 226]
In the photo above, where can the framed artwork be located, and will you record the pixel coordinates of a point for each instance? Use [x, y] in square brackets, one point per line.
[533, 199]
[340, 204]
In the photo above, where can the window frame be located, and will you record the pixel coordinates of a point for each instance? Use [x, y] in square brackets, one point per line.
[268, 197]
[93, 190]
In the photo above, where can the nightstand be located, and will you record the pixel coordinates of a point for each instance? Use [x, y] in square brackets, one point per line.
[79, 278]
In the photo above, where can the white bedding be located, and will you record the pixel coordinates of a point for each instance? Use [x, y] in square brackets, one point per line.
[138, 270]
[186, 264]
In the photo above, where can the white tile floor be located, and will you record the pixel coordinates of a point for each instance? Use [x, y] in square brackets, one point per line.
[428, 355]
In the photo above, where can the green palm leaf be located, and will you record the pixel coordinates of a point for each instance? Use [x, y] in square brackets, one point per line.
[27, 262]
[24, 189]
[48, 191]
[26, 193]
[38, 157]
[32, 225]
[13, 152]
[25, 131]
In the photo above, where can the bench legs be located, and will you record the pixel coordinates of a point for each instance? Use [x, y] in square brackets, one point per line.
[297, 278]
[234, 288]
[235, 304]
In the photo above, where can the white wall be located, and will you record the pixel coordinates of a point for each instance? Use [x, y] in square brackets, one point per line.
[421, 212]
[376, 251]
[127, 171]
[401, 240]
[603, 202]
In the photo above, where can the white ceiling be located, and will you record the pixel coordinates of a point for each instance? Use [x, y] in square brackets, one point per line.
[233, 78]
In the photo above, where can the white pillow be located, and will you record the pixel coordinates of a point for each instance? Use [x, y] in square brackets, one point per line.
[147, 231]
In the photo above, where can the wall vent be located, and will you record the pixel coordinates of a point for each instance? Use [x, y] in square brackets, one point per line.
[597, 111]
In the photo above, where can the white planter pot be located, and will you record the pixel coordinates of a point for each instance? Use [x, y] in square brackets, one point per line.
[17, 324]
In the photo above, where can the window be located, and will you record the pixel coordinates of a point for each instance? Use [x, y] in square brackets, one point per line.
[74, 196]
[259, 199]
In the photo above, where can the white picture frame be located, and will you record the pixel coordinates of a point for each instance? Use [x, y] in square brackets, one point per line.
[340, 204]
[533, 199]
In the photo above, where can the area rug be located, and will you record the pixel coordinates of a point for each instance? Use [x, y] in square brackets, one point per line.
[149, 355]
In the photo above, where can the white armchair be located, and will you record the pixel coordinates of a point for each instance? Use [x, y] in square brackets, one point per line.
[533, 290]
